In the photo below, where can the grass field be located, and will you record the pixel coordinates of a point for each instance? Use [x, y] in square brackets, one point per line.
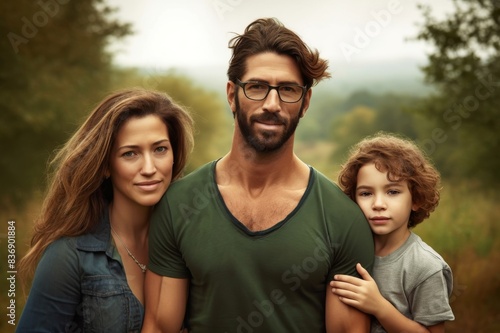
[464, 230]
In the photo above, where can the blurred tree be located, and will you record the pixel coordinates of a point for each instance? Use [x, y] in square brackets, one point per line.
[394, 114]
[349, 129]
[465, 68]
[210, 112]
[54, 66]
[357, 98]
[370, 113]
[211, 117]
[315, 125]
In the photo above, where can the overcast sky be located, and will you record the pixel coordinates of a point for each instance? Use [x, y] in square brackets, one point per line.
[191, 33]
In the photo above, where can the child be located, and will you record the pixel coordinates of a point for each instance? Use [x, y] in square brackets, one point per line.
[397, 188]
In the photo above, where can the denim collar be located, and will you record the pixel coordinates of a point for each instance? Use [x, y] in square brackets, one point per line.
[99, 239]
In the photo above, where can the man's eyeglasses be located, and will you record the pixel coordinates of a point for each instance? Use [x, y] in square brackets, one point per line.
[258, 91]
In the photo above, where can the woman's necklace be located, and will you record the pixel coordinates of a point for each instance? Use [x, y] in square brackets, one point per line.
[142, 266]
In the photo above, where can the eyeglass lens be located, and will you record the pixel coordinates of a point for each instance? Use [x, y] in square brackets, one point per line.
[259, 90]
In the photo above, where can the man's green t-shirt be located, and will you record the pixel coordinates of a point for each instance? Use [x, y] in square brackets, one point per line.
[273, 280]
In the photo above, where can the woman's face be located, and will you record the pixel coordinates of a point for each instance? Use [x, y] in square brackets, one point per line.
[141, 162]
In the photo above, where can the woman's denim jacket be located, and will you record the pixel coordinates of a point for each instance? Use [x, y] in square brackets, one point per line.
[80, 286]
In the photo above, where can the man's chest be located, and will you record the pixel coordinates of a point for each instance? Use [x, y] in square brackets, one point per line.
[263, 212]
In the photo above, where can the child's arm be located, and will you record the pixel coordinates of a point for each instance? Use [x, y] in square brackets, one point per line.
[363, 294]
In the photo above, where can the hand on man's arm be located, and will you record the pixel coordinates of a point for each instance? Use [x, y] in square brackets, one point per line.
[363, 294]
[342, 318]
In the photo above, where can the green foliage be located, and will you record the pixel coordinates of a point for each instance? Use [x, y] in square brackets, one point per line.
[53, 67]
[211, 117]
[463, 221]
[364, 114]
[209, 113]
[465, 68]
[357, 98]
[315, 125]
[350, 128]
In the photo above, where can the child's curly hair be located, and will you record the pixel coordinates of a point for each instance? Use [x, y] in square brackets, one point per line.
[404, 161]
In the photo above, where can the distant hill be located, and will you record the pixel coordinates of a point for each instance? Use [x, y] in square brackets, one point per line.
[402, 76]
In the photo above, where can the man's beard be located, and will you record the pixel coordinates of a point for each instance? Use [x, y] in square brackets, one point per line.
[266, 141]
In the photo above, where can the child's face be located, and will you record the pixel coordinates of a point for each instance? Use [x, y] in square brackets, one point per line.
[387, 205]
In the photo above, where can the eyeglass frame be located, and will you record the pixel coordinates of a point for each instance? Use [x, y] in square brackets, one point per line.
[270, 87]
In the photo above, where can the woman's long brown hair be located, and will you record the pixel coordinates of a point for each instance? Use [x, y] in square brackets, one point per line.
[78, 192]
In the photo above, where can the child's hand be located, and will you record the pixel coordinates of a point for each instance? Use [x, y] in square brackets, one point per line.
[362, 294]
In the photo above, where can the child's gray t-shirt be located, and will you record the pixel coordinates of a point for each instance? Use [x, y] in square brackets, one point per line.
[417, 281]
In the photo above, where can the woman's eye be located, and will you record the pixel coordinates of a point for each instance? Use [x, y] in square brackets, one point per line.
[128, 154]
[393, 192]
[161, 149]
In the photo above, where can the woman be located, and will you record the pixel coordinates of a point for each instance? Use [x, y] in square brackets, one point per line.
[91, 239]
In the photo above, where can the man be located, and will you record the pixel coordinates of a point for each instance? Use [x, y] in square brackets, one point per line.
[253, 239]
